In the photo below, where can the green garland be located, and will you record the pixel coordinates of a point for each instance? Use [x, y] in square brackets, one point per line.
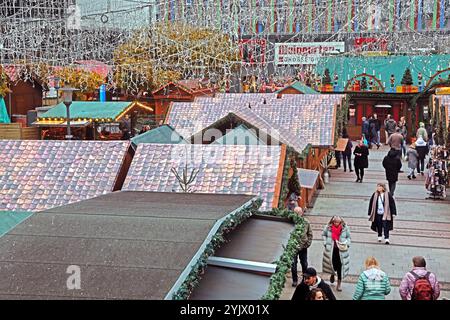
[285, 179]
[278, 279]
[192, 281]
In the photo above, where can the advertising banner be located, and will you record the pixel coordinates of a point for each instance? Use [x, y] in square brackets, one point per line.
[305, 52]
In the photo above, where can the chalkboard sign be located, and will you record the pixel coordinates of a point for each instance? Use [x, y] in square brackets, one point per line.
[308, 178]
[341, 144]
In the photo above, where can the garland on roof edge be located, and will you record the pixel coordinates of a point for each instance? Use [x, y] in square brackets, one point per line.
[278, 279]
[194, 277]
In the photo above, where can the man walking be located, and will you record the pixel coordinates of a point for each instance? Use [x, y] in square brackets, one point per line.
[419, 283]
[395, 141]
[392, 165]
[365, 128]
[390, 125]
[310, 281]
[377, 128]
[302, 250]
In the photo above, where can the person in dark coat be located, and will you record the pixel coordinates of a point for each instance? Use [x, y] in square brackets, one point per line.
[392, 165]
[310, 281]
[347, 155]
[361, 160]
[374, 128]
[422, 149]
[381, 212]
[302, 250]
[365, 128]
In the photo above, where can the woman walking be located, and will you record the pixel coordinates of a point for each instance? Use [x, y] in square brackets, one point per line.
[336, 240]
[404, 133]
[361, 160]
[373, 284]
[382, 210]
[413, 160]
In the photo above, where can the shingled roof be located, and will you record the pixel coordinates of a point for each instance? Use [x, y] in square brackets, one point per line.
[127, 245]
[42, 174]
[226, 169]
[309, 118]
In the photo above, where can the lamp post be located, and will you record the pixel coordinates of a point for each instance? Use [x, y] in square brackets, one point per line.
[57, 87]
[67, 98]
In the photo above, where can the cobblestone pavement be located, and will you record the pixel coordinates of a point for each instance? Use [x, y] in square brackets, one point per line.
[422, 227]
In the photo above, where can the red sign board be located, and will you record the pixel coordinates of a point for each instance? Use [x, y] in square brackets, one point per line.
[370, 44]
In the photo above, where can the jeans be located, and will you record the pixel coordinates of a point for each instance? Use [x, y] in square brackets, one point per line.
[411, 171]
[381, 226]
[348, 158]
[359, 173]
[404, 148]
[392, 186]
[378, 137]
[420, 165]
[337, 264]
[303, 256]
[338, 158]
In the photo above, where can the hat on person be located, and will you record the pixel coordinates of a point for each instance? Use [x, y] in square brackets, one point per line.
[310, 272]
[293, 197]
[420, 142]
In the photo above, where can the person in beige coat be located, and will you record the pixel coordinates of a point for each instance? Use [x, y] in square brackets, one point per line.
[336, 241]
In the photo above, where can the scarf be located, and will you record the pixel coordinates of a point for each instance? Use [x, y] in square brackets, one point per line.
[336, 232]
[387, 211]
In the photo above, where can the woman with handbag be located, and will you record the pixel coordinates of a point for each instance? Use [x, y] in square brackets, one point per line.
[381, 212]
[336, 241]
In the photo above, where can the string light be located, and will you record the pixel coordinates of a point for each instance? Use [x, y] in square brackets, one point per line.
[42, 35]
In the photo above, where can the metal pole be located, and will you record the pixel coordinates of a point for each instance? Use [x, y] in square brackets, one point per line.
[68, 136]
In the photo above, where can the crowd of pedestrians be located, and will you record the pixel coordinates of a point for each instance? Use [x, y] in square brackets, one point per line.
[373, 283]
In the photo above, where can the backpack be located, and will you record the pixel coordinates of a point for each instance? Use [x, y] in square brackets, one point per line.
[422, 289]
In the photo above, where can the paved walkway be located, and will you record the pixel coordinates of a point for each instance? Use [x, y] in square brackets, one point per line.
[422, 227]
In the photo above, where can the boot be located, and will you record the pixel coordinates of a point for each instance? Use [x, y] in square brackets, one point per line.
[338, 287]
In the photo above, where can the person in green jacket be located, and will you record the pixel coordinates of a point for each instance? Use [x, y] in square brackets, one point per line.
[373, 284]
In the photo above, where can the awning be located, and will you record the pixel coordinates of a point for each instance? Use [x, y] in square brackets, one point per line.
[61, 123]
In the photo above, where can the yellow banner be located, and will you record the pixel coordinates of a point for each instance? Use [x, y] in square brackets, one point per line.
[443, 90]
[375, 53]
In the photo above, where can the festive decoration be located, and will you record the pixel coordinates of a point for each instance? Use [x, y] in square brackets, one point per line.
[278, 279]
[85, 81]
[294, 183]
[407, 78]
[218, 239]
[169, 52]
[4, 88]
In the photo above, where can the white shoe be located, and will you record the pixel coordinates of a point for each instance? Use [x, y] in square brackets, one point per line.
[380, 239]
[386, 241]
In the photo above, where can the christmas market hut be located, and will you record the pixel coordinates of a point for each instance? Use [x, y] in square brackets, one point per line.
[399, 85]
[212, 168]
[164, 134]
[122, 245]
[45, 174]
[249, 265]
[296, 88]
[90, 120]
